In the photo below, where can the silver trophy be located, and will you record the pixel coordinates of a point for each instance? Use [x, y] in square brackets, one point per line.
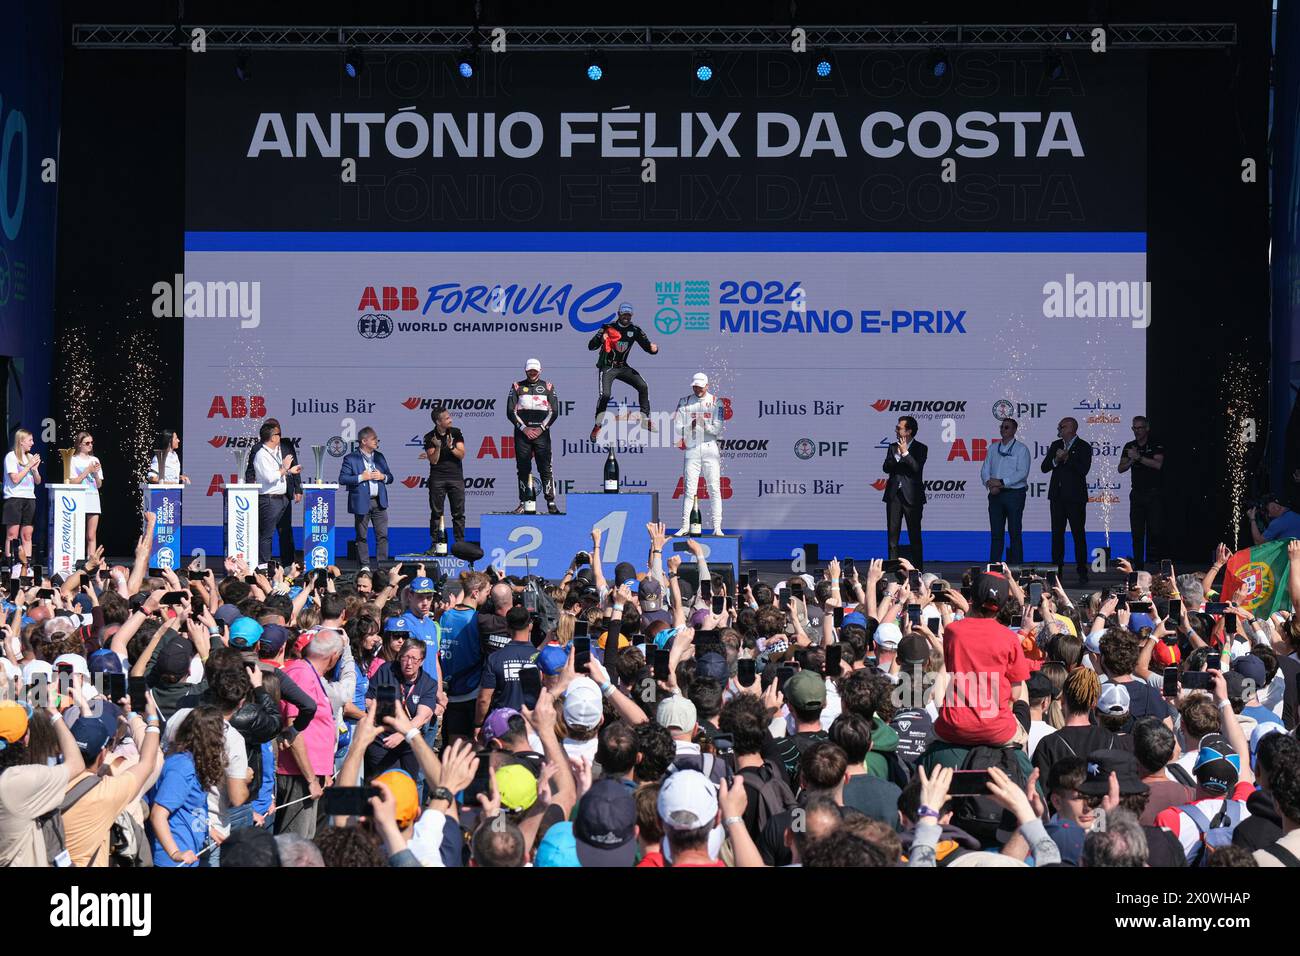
[318, 452]
[241, 463]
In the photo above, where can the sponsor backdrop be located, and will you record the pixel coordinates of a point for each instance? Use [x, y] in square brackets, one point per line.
[818, 337]
[953, 338]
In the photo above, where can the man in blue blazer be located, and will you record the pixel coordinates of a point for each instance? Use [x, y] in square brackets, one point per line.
[365, 474]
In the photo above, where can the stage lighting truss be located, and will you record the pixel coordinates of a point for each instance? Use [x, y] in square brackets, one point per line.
[1063, 37]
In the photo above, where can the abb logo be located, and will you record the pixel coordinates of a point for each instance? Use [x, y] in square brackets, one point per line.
[726, 409]
[239, 406]
[701, 491]
[389, 298]
[489, 448]
[979, 449]
[214, 486]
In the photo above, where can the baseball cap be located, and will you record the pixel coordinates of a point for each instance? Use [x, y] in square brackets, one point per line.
[91, 735]
[174, 658]
[533, 365]
[559, 847]
[227, 614]
[605, 825]
[1218, 765]
[1068, 838]
[274, 637]
[551, 659]
[676, 713]
[1251, 668]
[699, 378]
[913, 649]
[712, 665]
[1038, 686]
[105, 661]
[396, 624]
[34, 669]
[805, 690]
[687, 800]
[1114, 700]
[497, 723]
[404, 793]
[517, 787]
[423, 586]
[649, 593]
[1166, 654]
[13, 722]
[1138, 620]
[624, 307]
[75, 661]
[582, 703]
[624, 571]
[888, 635]
[992, 590]
[1122, 763]
[245, 632]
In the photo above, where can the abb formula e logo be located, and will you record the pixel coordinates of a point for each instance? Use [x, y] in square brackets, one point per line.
[237, 406]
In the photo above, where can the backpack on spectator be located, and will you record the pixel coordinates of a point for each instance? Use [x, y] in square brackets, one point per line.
[1180, 775]
[982, 817]
[774, 793]
[128, 846]
[1282, 854]
[51, 824]
[1214, 834]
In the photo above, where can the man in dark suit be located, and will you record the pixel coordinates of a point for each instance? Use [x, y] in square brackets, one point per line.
[905, 488]
[1068, 460]
[366, 476]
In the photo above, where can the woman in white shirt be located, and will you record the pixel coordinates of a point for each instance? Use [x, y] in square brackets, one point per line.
[165, 465]
[88, 472]
[21, 478]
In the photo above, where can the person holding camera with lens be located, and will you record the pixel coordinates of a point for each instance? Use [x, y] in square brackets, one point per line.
[1281, 521]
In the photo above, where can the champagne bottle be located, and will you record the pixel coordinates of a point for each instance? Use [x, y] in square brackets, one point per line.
[611, 473]
[440, 545]
[530, 501]
[695, 516]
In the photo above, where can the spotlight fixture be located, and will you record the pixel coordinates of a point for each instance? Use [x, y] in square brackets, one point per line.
[595, 66]
[353, 64]
[465, 64]
[939, 62]
[703, 66]
[1053, 65]
[823, 66]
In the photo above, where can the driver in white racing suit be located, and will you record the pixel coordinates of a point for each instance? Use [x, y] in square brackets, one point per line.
[697, 423]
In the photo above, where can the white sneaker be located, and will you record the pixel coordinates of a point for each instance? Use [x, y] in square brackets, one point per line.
[717, 532]
[683, 531]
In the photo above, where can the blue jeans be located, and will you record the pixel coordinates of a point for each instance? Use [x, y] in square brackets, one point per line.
[1006, 508]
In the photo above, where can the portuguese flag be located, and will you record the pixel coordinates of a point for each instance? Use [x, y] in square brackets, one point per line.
[1263, 570]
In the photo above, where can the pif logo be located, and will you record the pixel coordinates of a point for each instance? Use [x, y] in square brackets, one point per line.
[806, 448]
[389, 298]
[239, 406]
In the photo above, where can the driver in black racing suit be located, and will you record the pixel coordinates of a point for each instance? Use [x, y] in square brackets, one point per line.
[615, 343]
[531, 407]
